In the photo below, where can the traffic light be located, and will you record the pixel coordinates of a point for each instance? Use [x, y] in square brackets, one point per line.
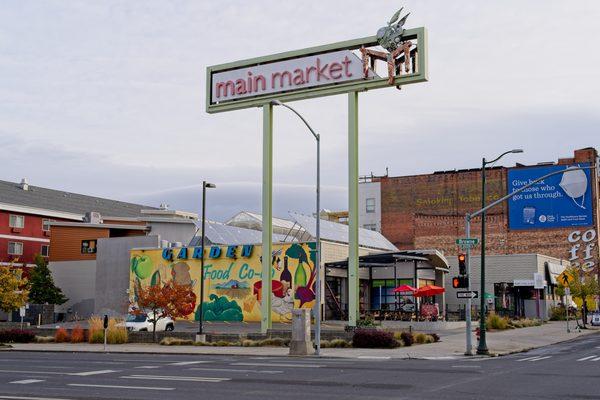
[462, 264]
[460, 282]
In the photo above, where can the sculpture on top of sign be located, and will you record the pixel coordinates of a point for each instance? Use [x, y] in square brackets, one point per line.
[390, 38]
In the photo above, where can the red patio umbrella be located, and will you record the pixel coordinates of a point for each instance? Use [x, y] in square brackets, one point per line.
[404, 288]
[429, 290]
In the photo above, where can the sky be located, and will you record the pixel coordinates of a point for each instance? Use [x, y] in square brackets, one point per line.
[107, 98]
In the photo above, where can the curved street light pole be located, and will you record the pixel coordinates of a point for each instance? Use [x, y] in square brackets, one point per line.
[482, 346]
[318, 228]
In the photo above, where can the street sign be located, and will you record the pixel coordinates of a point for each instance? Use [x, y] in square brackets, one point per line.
[467, 294]
[568, 291]
[565, 278]
[467, 243]
[22, 311]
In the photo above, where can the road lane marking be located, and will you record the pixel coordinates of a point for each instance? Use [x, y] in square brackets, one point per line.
[587, 358]
[30, 398]
[33, 372]
[277, 365]
[148, 367]
[533, 359]
[120, 386]
[177, 378]
[28, 381]
[466, 366]
[189, 362]
[89, 373]
[374, 357]
[596, 359]
[257, 371]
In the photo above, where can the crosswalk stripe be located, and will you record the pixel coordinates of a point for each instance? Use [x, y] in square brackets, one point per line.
[28, 381]
[586, 358]
[88, 373]
[177, 378]
[596, 359]
[189, 362]
[119, 386]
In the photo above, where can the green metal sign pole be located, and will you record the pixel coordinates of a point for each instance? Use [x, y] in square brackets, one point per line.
[353, 277]
[267, 217]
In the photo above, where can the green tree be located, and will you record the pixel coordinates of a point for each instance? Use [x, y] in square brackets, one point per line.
[41, 285]
[12, 292]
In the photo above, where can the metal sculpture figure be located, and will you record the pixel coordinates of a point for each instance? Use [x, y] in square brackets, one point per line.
[390, 38]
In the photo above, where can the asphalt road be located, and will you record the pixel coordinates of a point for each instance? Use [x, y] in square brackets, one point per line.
[564, 371]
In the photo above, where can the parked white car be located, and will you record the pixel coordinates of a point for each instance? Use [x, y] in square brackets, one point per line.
[143, 323]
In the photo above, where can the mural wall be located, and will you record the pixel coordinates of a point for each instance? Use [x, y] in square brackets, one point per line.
[232, 278]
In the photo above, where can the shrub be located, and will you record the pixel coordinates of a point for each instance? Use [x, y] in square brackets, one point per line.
[367, 321]
[61, 336]
[408, 339]
[338, 343]
[558, 313]
[44, 339]
[171, 341]
[277, 342]
[428, 339]
[420, 338]
[16, 336]
[249, 343]
[494, 321]
[435, 337]
[371, 338]
[77, 335]
[116, 332]
[525, 323]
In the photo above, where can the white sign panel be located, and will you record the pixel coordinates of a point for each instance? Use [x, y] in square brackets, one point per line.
[288, 75]
[22, 311]
[538, 281]
[523, 282]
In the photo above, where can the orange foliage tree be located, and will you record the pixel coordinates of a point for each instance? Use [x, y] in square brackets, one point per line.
[168, 300]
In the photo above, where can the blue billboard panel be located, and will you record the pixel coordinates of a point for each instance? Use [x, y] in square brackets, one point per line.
[562, 200]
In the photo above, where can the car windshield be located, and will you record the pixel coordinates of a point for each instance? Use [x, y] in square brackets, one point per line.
[136, 318]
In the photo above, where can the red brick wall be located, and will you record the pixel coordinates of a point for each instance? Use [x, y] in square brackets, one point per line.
[428, 211]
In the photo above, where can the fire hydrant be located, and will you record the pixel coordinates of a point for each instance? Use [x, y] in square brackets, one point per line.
[477, 333]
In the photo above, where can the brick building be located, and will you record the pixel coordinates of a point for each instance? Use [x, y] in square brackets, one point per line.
[428, 211]
[27, 211]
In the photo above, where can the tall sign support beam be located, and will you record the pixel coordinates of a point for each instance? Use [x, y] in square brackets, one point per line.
[223, 94]
[267, 217]
[353, 277]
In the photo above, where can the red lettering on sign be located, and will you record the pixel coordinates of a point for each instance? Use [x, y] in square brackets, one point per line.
[299, 77]
[240, 86]
[346, 63]
[281, 76]
[321, 70]
[225, 87]
[259, 79]
[335, 68]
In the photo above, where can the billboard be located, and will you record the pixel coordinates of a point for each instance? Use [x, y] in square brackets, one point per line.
[562, 200]
[232, 279]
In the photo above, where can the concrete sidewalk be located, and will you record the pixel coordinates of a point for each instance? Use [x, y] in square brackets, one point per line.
[451, 346]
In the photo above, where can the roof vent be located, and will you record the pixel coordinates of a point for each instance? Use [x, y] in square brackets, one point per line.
[24, 184]
[93, 217]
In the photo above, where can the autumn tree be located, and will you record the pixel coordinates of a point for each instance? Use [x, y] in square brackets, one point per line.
[12, 289]
[168, 300]
[41, 285]
[583, 286]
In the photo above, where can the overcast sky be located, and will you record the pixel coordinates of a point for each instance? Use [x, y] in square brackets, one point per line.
[107, 97]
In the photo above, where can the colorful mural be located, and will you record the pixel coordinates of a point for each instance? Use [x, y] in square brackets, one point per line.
[232, 278]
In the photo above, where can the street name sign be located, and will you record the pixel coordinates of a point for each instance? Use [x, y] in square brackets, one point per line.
[467, 243]
[467, 294]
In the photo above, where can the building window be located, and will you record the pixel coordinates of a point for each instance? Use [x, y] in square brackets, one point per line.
[45, 250]
[46, 225]
[88, 246]
[372, 227]
[370, 205]
[16, 221]
[15, 248]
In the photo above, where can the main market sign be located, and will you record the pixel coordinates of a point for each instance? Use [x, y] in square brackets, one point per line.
[353, 65]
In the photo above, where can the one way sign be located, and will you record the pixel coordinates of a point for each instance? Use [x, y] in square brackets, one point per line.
[466, 294]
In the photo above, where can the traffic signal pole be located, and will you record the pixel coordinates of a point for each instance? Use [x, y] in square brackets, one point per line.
[469, 349]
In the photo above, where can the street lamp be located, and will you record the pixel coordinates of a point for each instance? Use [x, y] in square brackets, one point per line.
[318, 238]
[205, 185]
[482, 346]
